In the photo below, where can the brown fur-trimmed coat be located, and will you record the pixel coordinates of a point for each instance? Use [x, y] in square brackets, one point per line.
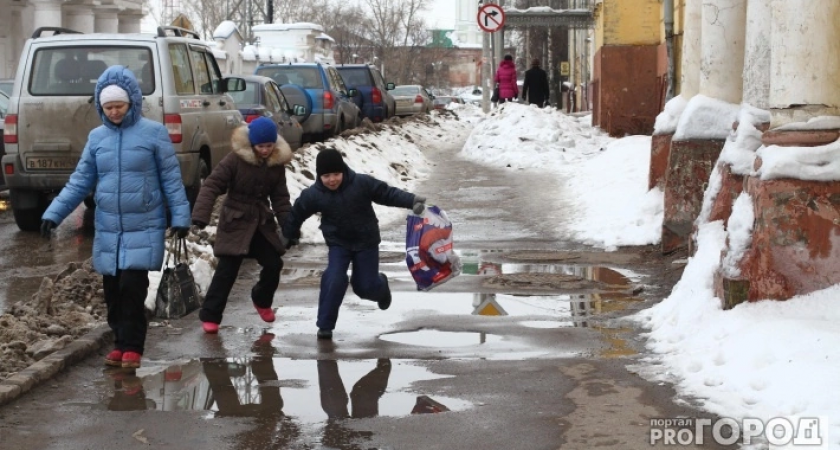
[255, 188]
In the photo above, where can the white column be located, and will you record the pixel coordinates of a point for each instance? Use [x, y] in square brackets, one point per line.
[80, 18]
[47, 13]
[106, 22]
[724, 35]
[690, 62]
[757, 53]
[130, 22]
[804, 67]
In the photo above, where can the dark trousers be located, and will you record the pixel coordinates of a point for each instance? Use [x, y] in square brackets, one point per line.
[125, 295]
[366, 281]
[262, 294]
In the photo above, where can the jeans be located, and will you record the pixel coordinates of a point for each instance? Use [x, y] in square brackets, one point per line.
[262, 294]
[366, 281]
[125, 296]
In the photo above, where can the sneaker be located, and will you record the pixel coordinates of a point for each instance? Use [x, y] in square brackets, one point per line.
[210, 327]
[114, 358]
[266, 314]
[385, 303]
[131, 360]
[324, 334]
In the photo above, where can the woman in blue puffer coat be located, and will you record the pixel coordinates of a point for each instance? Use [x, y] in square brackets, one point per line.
[131, 163]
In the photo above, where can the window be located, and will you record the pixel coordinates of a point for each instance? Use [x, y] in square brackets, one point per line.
[335, 81]
[272, 103]
[377, 78]
[355, 77]
[405, 90]
[213, 70]
[75, 70]
[246, 97]
[307, 76]
[202, 72]
[284, 102]
[184, 84]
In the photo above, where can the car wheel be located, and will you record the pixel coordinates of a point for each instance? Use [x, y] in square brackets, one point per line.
[29, 219]
[201, 174]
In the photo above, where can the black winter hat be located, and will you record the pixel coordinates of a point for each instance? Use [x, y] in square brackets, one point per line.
[329, 161]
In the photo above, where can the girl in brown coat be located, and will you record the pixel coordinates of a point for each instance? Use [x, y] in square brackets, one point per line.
[254, 177]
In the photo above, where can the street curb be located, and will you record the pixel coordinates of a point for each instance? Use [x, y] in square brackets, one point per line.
[41, 371]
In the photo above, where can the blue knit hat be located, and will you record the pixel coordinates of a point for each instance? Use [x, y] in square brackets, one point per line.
[262, 131]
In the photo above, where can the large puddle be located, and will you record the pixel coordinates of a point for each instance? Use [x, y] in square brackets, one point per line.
[305, 392]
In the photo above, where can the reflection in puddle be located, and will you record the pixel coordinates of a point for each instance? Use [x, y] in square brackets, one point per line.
[617, 346]
[566, 310]
[437, 338]
[300, 392]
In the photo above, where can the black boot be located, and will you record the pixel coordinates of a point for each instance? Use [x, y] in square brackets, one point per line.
[385, 302]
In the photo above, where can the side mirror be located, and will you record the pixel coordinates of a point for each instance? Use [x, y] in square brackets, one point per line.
[234, 84]
[353, 92]
[298, 110]
[390, 86]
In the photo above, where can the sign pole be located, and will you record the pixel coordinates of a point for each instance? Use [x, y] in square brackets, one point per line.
[498, 42]
[485, 72]
[491, 18]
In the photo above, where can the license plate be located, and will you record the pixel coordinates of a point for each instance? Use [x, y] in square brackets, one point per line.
[50, 163]
[405, 102]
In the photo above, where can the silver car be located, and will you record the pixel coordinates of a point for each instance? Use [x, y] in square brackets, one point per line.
[412, 99]
[51, 108]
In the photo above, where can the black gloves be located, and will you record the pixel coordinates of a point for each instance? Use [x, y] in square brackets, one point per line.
[181, 232]
[46, 228]
[201, 225]
[419, 204]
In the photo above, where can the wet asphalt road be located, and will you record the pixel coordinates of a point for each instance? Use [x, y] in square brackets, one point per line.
[538, 369]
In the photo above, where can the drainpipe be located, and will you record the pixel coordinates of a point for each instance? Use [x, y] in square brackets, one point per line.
[669, 45]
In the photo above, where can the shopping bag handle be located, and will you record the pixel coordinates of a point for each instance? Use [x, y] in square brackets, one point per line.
[179, 245]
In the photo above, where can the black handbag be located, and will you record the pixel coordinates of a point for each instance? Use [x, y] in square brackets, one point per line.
[495, 97]
[177, 294]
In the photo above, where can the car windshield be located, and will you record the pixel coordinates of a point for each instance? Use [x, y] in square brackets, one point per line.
[6, 87]
[355, 76]
[308, 77]
[405, 90]
[74, 70]
[248, 96]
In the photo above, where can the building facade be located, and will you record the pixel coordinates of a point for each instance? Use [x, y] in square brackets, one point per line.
[21, 18]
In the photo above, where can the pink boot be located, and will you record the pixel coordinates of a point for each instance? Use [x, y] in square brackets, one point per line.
[266, 314]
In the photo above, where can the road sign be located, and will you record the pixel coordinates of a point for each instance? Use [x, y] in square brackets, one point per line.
[491, 18]
[564, 68]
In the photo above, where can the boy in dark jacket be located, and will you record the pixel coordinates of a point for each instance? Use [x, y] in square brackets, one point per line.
[351, 230]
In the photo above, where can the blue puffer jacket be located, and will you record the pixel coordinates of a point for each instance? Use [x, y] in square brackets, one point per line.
[347, 216]
[133, 169]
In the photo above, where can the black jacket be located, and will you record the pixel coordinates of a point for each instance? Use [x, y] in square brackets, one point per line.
[347, 217]
[535, 86]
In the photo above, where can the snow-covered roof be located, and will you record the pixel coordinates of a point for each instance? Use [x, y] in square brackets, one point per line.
[225, 30]
[325, 36]
[287, 26]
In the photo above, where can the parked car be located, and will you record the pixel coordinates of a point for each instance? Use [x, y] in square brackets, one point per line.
[6, 85]
[376, 103]
[263, 97]
[51, 109]
[330, 105]
[473, 96]
[441, 101]
[412, 99]
[4, 106]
